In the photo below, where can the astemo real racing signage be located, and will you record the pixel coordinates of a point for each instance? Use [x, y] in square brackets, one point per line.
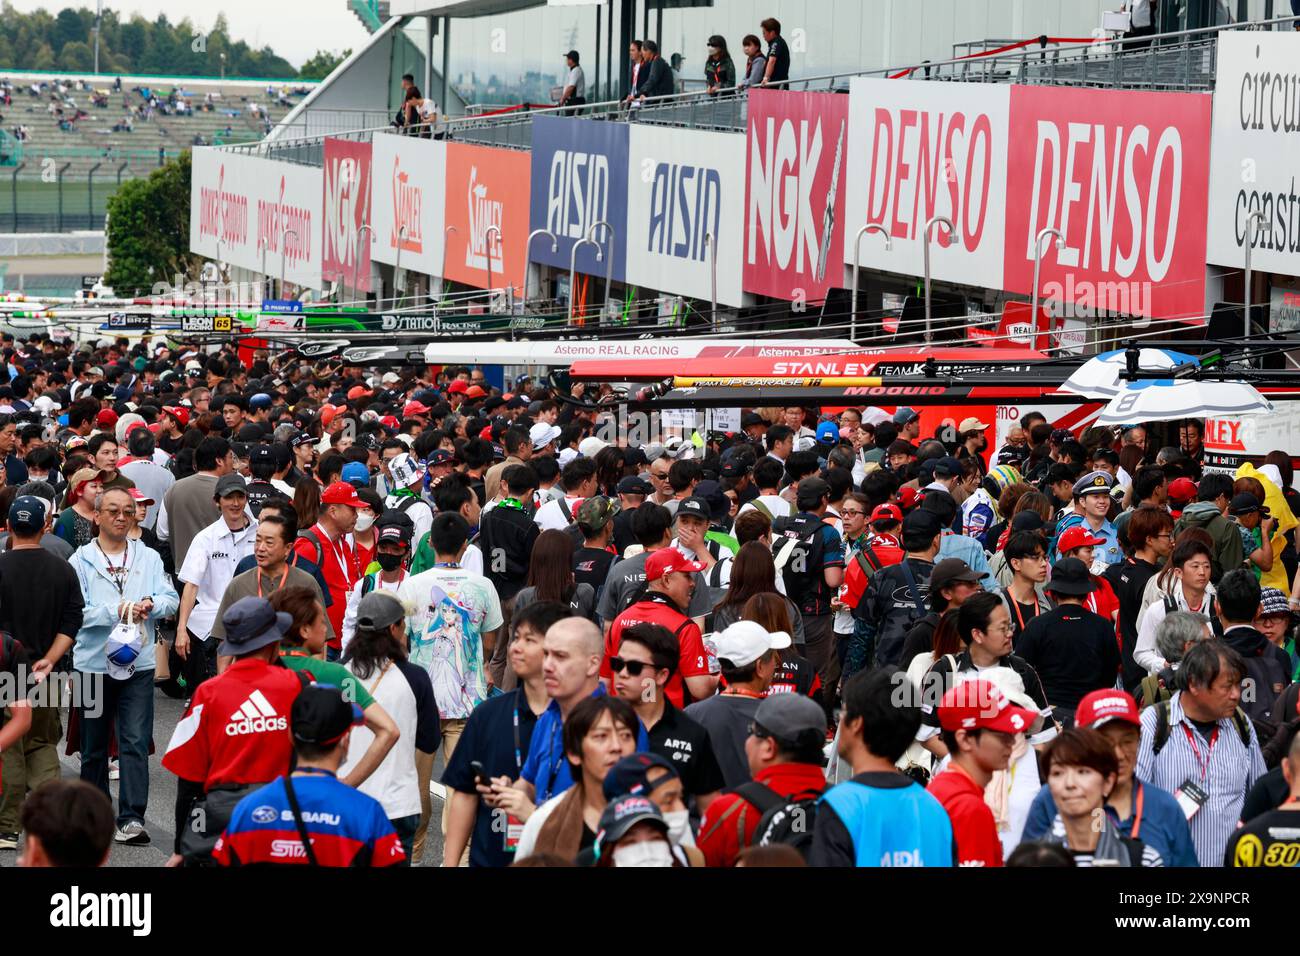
[686, 189]
[579, 179]
[1253, 162]
[346, 205]
[240, 204]
[794, 194]
[406, 202]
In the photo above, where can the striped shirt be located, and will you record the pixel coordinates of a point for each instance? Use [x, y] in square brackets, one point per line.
[1225, 771]
[1150, 855]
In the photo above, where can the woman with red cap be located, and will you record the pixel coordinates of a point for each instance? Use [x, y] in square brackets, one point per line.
[76, 524]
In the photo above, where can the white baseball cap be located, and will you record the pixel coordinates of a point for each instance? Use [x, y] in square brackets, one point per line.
[543, 434]
[744, 642]
[590, 446]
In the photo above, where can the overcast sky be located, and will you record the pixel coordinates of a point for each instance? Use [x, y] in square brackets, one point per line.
[295, 29]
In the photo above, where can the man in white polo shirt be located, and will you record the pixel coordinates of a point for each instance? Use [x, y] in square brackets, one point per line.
[209, 567]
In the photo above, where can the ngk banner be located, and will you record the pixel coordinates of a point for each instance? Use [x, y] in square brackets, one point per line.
[579, 173]
[408, 192]
[686, 188]
[1254, 149]
[346, 208]
[1123, 176]
[920, 150]
[239, 203]
[487, 187]
[794, 194]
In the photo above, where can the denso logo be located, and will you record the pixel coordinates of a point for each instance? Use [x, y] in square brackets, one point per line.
[781, 172]
[278, 218]
[483, 213]
[256, 725]
[222, 215]
[345, 204]
[408, 211]
[577, 193]
[685, 206]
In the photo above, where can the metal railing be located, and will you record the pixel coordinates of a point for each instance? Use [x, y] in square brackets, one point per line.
[1182, 60]
[33, 201]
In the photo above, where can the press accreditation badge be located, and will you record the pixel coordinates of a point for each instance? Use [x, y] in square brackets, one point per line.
[514, 831]
[1191, 796]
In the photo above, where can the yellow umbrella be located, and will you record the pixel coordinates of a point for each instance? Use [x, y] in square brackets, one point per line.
[1279, 509]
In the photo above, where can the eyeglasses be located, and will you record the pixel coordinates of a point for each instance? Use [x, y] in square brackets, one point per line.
[758, 730]
[661, 475]
[1163, 534]
[848, 512]
[634, 668]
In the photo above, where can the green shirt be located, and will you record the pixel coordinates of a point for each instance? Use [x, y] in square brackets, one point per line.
[330, 672]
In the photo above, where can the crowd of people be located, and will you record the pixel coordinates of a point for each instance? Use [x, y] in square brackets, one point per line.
[823, 639]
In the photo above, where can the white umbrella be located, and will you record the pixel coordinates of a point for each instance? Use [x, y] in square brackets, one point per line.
[1099, 376]
[1165, 400]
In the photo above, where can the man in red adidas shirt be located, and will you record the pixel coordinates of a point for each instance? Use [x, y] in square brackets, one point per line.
[670, 582]
[979, 726]
[326, 543]
[236, 731]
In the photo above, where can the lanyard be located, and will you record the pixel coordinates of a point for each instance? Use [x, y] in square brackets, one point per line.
[1015, 607]
[283, 578]
[116, 573]
[519, 754]
[1203, 764]
[555, 766]
[1137, 809]
[341, 555]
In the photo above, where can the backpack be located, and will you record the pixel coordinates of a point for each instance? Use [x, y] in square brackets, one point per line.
[1155, 688]
[797, 548]
[311, 536]
[1161, 736]
[1265, 673]
[787, 821]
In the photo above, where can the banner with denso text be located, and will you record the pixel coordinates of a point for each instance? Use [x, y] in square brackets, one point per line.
[921, 150]
[794, 194]
[1253, 156]
[579, 174]
[487, 187]
[408, 193]
[1123, 176]
[346, 207]
[686, 188]
[240, 203]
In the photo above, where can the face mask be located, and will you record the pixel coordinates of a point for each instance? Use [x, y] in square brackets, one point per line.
[679, 827]
[389, 562]
[646, 853]
[365, 520]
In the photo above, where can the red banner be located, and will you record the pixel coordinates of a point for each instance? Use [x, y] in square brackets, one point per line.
[487, 187]
[1124, 176]
[794, 194]
[346, 206]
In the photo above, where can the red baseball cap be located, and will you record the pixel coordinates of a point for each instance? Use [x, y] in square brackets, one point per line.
[475, 391]
[341, 493]
[887, 513]
[390, 421]
[908, 497]
[459, 385]
[486, 433]
[182, 415]
[415, 408]
[1182, 489]
[981, 705]
[665, 561]
[358, 391]
[1101, 706]
[1077, 537]
[106, 418]
[327, 413]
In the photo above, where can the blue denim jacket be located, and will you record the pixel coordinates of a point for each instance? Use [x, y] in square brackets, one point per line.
[145, 579]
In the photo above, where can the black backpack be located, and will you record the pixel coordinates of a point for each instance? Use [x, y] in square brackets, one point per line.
[1265, 673]
[797, 549]
[787, 821]
[311, 536]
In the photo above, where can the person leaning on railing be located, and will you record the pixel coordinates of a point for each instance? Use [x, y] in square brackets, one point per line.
[756, 64]
[719, 71]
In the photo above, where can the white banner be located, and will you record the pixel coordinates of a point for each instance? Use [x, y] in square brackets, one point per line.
[409, 179]
[1253, 150]
[919, 150]
[239, 203]
[683, 185]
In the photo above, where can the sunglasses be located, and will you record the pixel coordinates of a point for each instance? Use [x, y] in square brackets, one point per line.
[634, 668]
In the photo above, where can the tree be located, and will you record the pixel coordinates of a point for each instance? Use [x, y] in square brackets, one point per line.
[148, 234]
[77, 57]
[43, 58]
[322, 64]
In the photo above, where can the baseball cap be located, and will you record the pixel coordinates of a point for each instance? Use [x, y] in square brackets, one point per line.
[1094, 482]
[634, 485]
[951, 570]
[261, 400]
[300, 439]
[1076, 537]
[590, 446]
[947, 466]
[734, 468]
[1070, 576]
[789, 717]
[437, 458]
[621, 815]
[811, 491]
[106, 419]
[459, 386]
[718, 502]
[140, 497]
[1028, 521]
[634, 458]
[921, 522]
[667, 560]
[629, 775]
[744, 642]
[1013, 455]
[182, 415]
[341, 493]
[230, 485]
[750, 419]
[321, 716]
[1245, 504]
[27, 514]
[1102, 706]
[887, 512]
[828, 432]
[903, 415]
[1182, 490]
[413, 407]
[475, 391]
[543, 434]
[971, 424]
[406, 470]
[596, 512]
[981, 705]
[356, 474]
[694, 507]
[379, 610]
[252, 623]
[1060, 436]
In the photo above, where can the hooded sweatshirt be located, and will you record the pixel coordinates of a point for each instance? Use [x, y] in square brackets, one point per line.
[145, 578]
[1228, 555]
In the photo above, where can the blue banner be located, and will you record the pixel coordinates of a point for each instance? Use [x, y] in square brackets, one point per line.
[579, 179]
[281, 306]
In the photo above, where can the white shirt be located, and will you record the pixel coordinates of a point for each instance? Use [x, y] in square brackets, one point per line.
[775, 503]
[282, 486]
[420, 513]
[550, 517]
[210, 565]
[1141, 13]
[354, 598]
[394, 783]
[578, 81]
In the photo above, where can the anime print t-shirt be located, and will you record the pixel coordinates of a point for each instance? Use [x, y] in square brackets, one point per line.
[448, 609]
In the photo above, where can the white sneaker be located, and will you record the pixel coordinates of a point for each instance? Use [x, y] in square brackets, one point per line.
[132, 832]
[113, 771]
[8, 841]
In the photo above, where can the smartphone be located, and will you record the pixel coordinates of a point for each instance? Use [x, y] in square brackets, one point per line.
[480, 775]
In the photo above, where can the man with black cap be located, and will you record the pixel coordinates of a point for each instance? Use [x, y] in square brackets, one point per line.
[393, 535]
[692, 524]
[309, 817]
[1073, 649]
[575, 84]
[262, 465]
[809, 555]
